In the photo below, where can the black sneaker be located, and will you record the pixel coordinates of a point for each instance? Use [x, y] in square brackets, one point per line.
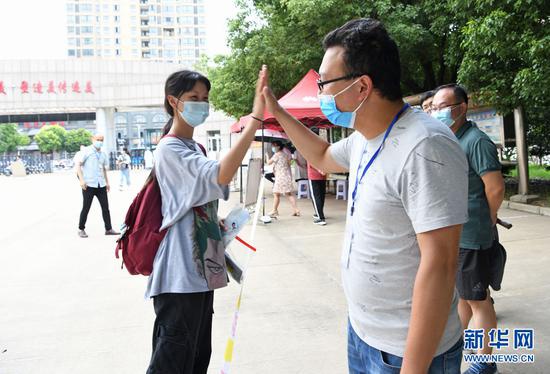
[315, 215]
[111, 232]
[320, 222]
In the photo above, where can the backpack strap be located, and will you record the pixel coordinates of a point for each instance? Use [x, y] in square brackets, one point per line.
[199, 144]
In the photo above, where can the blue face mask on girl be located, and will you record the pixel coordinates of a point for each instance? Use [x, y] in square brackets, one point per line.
[333, 114]
[195, 112]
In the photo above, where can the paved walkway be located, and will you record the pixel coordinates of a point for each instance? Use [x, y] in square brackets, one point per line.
[68, 308]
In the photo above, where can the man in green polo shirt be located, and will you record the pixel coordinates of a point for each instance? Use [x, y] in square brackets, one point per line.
[485, 195]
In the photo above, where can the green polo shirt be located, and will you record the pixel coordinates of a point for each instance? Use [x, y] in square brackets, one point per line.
[482, 156]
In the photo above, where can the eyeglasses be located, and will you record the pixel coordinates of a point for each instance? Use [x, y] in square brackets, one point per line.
[321, 83]
[433, 109]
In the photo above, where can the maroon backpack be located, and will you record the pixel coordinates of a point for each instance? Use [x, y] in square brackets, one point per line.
[141, 236]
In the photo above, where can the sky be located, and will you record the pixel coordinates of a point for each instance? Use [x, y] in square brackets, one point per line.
[35, 29]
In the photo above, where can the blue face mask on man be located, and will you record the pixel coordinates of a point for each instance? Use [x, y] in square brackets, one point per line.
[98, 144]
[444, 115]
[194, 113]
[333, 114]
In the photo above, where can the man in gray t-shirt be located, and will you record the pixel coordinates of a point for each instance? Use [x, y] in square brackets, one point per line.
[406, 206]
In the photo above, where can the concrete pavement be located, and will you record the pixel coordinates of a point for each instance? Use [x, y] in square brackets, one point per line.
[68, 308]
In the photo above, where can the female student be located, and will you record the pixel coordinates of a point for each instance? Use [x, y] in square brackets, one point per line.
[190, 263]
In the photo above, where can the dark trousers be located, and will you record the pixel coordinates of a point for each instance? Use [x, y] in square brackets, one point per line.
[182, 333]
[318, 190]
[87, 198]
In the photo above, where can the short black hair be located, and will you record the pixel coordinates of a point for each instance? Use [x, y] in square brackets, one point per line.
[369, 50]
[425, 96]
[459, 91]
[278, 143]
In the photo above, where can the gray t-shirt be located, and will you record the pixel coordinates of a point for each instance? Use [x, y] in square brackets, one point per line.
[418, 183]
[187, 179]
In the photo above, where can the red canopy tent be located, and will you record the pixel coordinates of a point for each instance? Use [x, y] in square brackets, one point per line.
[301, 101]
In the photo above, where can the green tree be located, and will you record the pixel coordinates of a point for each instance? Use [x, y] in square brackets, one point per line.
[10, 138]
[76, 138]
[51, 138]
[287, 35]
[506, 61]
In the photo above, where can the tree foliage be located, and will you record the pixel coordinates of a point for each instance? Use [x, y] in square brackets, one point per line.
[506, 61]
[10, 138]
[51, 138]
[75, 138]
[288, 35]
[499, 49]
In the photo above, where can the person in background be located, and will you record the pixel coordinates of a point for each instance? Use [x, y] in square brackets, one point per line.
[485, 195]
[91, 169]
[123, 162]
[426, 101]
[318, 186]
[283, 178]
[300, 168]
[148, 159]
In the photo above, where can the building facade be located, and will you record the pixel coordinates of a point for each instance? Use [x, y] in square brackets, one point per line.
[156, 30]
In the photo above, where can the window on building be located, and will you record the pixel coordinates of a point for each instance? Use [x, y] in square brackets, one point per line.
[116, 7]
[105, 18]
[87, 52]
[168, 9]
[107, 52]
[87, 30]
[71, 19]
[70, 29]
[70, 8]
[87, 41]
[72, 52]
[187, 52]
[86, 8]
[214, 141]
[185, 9]
[201, 20]
[106, 30]
[189, 42]
[72, 41]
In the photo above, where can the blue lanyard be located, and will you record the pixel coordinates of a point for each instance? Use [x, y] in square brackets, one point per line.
[357, 179]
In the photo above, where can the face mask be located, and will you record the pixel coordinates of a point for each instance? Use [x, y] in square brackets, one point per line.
[444, 115]
[195, 112]
[333, 114]
[98, 144]
[274, 149]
